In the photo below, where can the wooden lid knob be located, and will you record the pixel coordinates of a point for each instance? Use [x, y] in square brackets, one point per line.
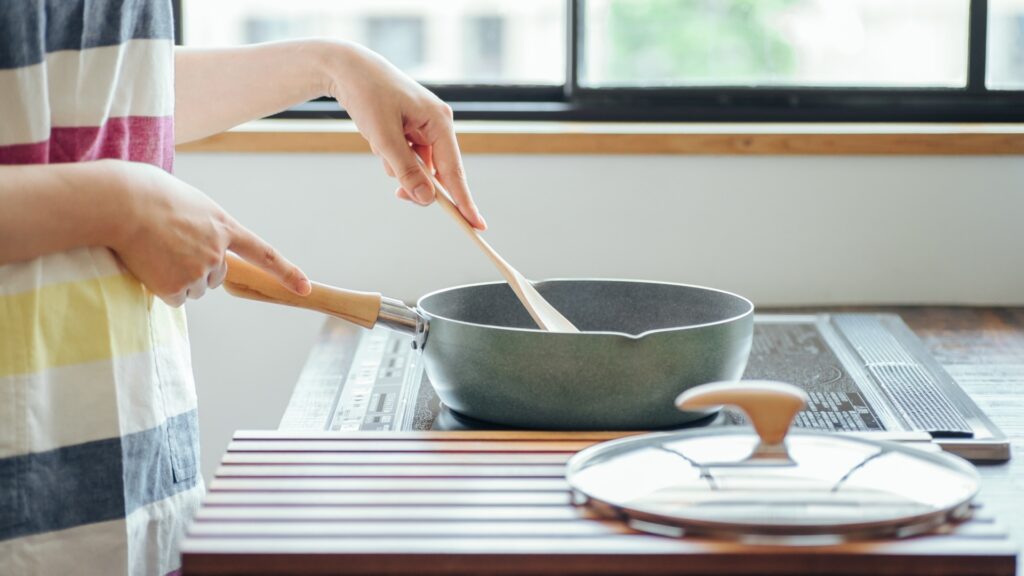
[770, 406]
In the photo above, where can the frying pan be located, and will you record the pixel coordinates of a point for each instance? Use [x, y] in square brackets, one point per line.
[641, 344]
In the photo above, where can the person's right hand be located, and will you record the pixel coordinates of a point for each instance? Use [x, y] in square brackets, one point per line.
[175, 238]
[400, 119]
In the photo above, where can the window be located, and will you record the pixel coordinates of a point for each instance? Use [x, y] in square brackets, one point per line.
[775, 43]
[399, 39]
[704, 60]
[454, 42]
[259, 29]
[1006, 45]
[484, 50]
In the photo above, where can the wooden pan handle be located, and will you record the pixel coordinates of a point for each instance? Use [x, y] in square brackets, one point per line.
[247, 281]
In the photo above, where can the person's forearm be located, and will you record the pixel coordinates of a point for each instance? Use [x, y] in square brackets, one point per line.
[216, 89]
[47, 208]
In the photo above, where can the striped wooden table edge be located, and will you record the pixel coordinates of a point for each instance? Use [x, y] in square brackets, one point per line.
[488, 502]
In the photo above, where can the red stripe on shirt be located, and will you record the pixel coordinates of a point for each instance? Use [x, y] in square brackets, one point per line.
[147, 139]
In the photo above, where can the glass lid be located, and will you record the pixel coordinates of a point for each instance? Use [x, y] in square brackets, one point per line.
[731, 481]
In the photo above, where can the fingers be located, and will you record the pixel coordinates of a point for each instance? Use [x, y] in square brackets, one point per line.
[175, 300]
[216, 277]
[402, 194]
[196, 290]
[426, 154]
[451, 173]
[255, 250]
[402, 160]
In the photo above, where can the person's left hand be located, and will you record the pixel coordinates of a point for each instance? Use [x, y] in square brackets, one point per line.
[400, 119]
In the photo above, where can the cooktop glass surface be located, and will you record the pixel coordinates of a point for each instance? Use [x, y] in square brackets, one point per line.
[864, 373]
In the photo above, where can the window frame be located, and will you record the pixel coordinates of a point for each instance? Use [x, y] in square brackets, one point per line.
[974, 102]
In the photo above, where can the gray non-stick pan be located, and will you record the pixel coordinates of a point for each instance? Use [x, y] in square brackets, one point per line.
[641, 344]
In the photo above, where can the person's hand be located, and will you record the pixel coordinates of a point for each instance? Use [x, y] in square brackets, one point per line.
[400, 118]
[174, 238]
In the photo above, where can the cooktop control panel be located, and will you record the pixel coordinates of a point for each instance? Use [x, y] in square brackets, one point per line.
[864, 373]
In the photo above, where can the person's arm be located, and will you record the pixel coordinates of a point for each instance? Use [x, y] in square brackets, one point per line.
[168, 234]
[216, 89]
[51, 208]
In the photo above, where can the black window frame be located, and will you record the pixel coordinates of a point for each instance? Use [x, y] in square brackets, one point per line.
[974, 102]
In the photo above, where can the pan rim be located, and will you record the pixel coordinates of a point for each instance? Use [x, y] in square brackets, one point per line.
[748, 312]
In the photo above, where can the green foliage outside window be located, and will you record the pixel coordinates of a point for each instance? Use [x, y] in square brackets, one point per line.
[697, 42]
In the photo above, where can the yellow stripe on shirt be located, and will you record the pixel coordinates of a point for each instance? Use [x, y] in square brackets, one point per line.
[76, 322]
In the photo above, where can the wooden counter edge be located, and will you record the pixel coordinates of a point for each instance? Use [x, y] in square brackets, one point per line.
[325, 136]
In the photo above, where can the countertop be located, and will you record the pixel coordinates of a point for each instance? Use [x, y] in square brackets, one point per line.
[982, 348]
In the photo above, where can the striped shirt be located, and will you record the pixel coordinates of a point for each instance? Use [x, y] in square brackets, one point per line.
[98, 429]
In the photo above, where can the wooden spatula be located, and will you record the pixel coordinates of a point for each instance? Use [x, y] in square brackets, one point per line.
[542, 312]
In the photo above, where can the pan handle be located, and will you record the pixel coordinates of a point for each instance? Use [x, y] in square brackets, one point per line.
[363, 308]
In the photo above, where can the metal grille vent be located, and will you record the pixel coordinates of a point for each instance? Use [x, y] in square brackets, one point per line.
[908, 385]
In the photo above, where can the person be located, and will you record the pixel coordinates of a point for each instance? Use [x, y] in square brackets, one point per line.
[100, 245]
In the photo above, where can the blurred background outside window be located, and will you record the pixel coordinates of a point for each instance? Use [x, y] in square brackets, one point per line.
[915, 43]
[775, 42]
[517, 42]
[1005, 45]
[662, 59]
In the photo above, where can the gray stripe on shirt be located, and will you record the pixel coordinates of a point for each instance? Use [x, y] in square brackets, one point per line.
[29, 29]
[101, 480]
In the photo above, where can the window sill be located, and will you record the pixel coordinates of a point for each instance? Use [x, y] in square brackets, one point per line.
[481, 137]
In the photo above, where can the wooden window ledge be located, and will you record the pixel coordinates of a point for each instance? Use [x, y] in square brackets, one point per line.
[477, 137]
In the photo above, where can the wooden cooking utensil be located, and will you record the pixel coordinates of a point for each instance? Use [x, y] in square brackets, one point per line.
[542, 312]
[247, 281]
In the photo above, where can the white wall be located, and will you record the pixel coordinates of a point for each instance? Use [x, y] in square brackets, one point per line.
[780, 230]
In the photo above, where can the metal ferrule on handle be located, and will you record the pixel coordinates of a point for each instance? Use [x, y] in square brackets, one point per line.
[396, 315]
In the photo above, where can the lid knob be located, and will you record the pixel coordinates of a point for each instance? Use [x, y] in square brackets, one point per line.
[770, 406]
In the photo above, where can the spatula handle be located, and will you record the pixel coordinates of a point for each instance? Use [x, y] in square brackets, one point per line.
[247, 281]
[542, 312]
[445, 202]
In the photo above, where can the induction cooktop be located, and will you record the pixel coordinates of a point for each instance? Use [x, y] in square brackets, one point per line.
[865, 374]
